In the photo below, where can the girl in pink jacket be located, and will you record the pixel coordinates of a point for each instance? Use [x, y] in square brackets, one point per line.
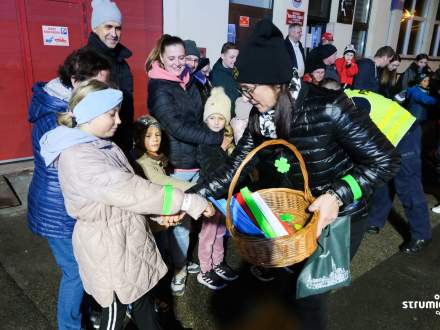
[119, 262]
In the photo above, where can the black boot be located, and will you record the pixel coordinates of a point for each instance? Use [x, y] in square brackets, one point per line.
[414, 246]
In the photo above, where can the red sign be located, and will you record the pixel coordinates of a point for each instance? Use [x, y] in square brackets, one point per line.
[244, 21]
[295, 17]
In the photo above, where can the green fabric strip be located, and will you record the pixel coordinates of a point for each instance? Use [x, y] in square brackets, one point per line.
[167, 199]
[354, 186]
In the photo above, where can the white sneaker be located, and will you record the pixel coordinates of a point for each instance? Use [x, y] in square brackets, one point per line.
[192, 268]
[178, 283]
[436, 209]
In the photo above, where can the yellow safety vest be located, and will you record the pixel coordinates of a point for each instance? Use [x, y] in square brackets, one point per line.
[390, 117]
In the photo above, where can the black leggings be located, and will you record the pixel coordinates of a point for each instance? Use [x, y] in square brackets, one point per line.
[142, 312]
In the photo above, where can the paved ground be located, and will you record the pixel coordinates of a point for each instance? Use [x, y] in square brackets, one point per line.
[383, 281]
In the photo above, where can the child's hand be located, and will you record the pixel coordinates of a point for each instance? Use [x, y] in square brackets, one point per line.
[209, 211]
[172, 220]
[227, 140]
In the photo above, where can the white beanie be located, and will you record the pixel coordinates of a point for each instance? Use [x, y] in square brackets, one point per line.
[349, 49]
[218, 103]
[105, 11]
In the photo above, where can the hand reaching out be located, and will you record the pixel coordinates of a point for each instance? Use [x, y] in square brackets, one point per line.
[171, 220]
[209, 211]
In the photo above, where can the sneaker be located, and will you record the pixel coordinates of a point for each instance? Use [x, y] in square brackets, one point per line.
[414, 246]
[211, 280]
[436, 209]
[95, 319]
[225, 272]
[178, 283]
[263, 274]
[160, 306]
[373, 230]
[192, 267]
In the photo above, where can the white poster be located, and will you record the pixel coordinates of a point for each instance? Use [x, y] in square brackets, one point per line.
[55, 35]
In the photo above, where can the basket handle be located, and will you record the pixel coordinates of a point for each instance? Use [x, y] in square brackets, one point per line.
[248, 158]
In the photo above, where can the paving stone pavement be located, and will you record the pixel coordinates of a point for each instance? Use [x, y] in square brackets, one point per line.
[382, 280]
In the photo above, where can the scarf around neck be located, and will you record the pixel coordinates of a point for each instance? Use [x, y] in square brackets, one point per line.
[157, 72]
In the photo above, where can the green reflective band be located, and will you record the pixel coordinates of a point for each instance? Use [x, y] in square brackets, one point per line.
[167, 199]
[354, 186]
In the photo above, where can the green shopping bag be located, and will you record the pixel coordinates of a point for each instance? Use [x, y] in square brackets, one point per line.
[328, 267]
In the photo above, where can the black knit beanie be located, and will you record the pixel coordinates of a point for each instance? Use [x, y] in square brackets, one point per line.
[314, 62]
[264, 58]
[191, 48]
[327, 50]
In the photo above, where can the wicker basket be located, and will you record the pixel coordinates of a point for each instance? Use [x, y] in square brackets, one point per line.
[286, 250]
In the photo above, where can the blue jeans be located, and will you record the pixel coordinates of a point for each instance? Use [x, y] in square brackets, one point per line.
[176, 239]
[71, 291]
[408, 185]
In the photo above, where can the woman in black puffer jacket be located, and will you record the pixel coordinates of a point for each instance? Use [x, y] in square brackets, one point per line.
[345, 154]
[177, 106]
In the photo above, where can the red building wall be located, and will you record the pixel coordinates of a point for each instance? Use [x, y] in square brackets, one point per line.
[24, 59]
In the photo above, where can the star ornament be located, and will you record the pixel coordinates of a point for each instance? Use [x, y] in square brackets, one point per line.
[282, 165]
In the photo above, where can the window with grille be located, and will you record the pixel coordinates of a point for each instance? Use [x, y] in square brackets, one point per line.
[434, 48]
[412, 26]
[360, 25]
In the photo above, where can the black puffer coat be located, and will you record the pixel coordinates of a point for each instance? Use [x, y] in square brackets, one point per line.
[180, 113]
[334, 138]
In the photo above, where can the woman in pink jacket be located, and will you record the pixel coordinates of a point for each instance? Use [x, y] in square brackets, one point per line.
[118, 260]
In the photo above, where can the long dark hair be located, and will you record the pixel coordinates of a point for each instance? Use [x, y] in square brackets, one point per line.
[387, 77]
[140, 128]
[284, 110]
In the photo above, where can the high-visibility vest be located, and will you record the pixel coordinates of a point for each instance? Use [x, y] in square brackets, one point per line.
[390, 117]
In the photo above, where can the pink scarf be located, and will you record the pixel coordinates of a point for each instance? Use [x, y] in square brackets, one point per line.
[156, 72]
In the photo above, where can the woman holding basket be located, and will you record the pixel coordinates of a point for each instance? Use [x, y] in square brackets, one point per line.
[345, 154]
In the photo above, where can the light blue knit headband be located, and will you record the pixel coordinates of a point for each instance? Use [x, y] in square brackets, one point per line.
[95, 104]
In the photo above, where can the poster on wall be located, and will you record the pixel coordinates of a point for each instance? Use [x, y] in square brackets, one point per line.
[295, 17]
[244, 21]
[346, 11]
[55, 35]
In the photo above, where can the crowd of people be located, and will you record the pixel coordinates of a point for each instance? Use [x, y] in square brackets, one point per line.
[118, 199]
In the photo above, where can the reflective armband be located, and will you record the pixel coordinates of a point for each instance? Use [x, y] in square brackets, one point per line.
[354, 186]
[167, 199]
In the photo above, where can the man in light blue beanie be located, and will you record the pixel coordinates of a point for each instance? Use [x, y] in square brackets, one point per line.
[105, 39]
[106, 22]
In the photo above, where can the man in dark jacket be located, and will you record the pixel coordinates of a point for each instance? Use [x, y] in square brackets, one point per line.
[295, 48]
[224, 72]
[105, 39]
[368, 75]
